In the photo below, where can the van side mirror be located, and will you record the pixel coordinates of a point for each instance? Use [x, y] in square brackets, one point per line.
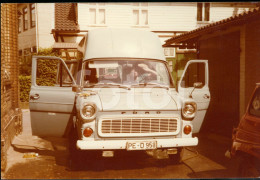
[197, 84]
[76, 88]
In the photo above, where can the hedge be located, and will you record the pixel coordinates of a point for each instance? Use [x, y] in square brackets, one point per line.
[25, 86]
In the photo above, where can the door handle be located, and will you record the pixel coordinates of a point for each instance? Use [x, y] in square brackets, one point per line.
[35, 97]
[206, 96]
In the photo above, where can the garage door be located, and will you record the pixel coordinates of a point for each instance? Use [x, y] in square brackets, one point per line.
[223, 53]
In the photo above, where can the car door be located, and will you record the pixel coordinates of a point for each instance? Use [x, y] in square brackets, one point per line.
[51, 96]
[196, 71]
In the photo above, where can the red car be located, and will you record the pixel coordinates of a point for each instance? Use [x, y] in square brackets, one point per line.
[246, 138]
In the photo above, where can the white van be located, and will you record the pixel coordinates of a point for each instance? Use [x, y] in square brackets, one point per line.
[121, 96]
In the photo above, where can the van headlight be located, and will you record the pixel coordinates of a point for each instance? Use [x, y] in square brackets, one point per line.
[88, 111]
[189, 110]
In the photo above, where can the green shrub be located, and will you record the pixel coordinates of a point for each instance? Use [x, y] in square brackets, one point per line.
[46, 72]
[25, 85]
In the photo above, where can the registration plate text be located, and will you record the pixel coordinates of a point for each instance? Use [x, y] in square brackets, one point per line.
[141, 145]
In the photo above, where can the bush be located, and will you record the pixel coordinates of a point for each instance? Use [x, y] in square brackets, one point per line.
[46, 72]
[25, 85]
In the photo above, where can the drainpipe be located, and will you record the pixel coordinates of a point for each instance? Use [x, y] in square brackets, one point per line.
[36, 17]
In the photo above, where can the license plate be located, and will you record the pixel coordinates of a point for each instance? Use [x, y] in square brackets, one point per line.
[141, 145]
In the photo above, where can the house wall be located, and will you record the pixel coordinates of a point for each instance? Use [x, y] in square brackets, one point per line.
[45, 23]
[170, 18]
[26, 38]
[223, 10]
[165, 16]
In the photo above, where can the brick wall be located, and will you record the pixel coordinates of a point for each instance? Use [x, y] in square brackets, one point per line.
[11, 117]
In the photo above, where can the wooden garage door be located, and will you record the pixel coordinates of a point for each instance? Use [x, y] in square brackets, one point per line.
[223, 53]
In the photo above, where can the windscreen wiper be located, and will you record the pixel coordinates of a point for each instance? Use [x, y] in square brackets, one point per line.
[111, 84]
[154, 84]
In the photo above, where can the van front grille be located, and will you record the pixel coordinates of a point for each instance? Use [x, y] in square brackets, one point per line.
[138, 126]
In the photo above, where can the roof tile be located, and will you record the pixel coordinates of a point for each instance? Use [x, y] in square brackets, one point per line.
[66, 17]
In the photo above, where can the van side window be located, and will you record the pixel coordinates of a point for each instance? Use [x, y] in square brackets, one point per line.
[51, 72]
[194, 73]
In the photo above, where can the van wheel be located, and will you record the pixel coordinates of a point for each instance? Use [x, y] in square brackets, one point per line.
[248, 168]
[177, 158]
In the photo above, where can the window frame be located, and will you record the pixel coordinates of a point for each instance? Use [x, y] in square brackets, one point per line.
[25, 13]
[169, 48]
[97, 7]
[20, 24]
[203, 9]
[31, 9]
[140, 7]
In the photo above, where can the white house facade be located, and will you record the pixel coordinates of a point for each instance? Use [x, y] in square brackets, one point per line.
[41, 25]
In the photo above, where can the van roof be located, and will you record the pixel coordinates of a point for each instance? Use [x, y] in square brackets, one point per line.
[123, 43]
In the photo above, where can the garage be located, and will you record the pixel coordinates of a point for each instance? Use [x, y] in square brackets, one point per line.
[232, 48]
[223, 53]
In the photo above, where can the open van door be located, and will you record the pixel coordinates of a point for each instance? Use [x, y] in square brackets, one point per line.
[51, 96]
[196, 74]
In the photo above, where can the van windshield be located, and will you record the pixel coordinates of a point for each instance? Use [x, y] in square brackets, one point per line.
[138, 73]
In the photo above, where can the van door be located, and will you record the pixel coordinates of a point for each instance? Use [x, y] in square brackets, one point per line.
[196, 71]
[51, 96]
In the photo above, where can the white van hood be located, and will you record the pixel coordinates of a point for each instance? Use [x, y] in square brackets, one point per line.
[136, 99]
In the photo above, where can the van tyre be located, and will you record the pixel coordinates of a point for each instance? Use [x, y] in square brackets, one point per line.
[177, 158]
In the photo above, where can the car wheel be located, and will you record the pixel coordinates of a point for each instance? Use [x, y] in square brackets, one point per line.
[247, 168]
[177, 158]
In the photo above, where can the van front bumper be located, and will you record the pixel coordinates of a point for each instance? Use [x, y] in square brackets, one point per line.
[121, 144]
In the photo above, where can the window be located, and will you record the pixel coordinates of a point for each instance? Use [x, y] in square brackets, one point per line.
[32, 15]
[27, 54]
[194, 73]
[203, 11]
[25, 19]
[97, 14]
[140, 14]
[33, 49]
[254, 108]
[206, 15]
[52, 72]
[19, 23]
[169, 52]
[199, 11]
[20, 54]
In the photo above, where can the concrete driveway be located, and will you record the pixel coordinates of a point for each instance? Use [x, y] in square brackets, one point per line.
[204, 161]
